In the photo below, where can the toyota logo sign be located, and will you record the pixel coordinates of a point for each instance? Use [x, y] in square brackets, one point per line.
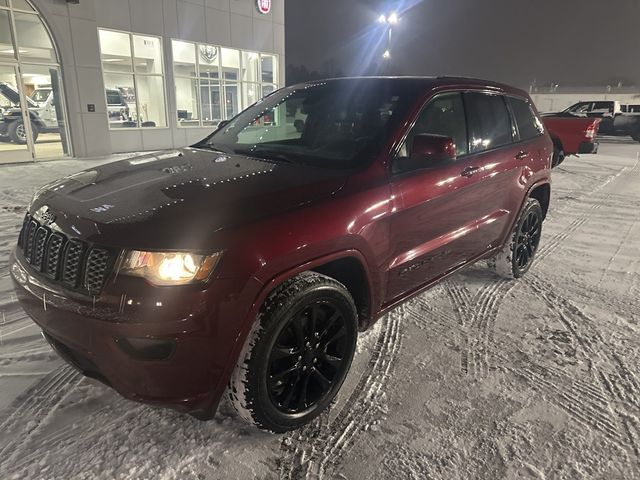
[264, 6]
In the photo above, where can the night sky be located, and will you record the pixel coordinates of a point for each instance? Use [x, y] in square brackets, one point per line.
[566, 42]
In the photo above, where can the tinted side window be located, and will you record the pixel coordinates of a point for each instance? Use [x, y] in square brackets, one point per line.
[113, 98]
[603, 107]
[489, 121]
[444, 115]
[582, 107]
[528, 124]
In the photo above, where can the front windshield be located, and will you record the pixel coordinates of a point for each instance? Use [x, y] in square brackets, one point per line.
[332, 124]
[40, 96]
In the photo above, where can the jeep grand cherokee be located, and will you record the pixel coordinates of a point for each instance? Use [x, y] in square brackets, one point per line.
[250, 261]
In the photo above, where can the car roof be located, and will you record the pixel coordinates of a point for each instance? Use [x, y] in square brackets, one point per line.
[428, 83]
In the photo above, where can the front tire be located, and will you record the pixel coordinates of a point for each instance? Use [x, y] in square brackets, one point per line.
[515, 258]
[18, 132]
[297, 355]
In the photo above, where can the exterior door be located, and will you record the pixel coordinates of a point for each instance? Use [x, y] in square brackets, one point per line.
[437, 209]
[15, 143]
[48, 127]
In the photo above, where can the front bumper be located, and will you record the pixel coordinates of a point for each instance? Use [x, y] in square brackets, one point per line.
[171, 351]
[588, 147]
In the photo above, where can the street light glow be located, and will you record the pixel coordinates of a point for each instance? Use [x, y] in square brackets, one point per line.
[392, 18]
[382, 19]
[386, 54]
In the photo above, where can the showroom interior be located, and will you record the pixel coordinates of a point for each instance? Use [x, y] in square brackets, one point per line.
[99, 77]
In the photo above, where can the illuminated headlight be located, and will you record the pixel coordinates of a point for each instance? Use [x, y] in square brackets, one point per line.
[169, 268]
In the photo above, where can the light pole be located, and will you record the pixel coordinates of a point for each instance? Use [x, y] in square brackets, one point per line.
[388, 20]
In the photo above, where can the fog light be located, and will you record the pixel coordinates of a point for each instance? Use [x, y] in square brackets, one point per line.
[146, 348]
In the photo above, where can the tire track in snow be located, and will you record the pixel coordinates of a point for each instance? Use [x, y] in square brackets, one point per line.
[616, 378]
[32, 409]
[485, 304]
[320, 446]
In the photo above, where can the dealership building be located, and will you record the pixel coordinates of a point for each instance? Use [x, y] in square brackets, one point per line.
[87, 78]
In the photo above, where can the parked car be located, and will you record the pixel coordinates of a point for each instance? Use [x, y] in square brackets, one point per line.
[571, 136]
[42, 114]
[42, 111]
[117, 107]
[616, 118]
[251, 260]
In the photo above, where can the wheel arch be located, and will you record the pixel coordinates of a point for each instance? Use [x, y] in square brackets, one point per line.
[556, 141]
[348, 267]
[542, 193]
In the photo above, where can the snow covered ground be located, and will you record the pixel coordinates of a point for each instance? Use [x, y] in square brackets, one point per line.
[477, 378]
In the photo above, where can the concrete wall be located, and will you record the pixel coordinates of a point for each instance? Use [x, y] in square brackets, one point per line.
[230, 23]
[555, 102]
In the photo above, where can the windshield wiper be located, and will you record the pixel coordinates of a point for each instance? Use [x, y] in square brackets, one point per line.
[212, 147]
[266, 155]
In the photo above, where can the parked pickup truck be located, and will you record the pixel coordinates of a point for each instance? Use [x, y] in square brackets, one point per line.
[571, 135]
[616, 118]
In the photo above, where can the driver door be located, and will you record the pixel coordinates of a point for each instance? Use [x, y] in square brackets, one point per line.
[432, 230]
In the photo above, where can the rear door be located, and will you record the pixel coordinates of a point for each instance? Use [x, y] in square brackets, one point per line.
[497, 162]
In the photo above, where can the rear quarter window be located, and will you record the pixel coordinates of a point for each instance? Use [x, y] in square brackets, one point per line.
[529, 126]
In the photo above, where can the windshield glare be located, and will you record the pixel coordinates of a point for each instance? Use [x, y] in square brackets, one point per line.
[333, 124]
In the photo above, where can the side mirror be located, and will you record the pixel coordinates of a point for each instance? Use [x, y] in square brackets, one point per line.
[427, 150]
[433, 148]
[222, 124]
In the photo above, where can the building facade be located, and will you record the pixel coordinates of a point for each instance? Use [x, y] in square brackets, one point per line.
[97, 77]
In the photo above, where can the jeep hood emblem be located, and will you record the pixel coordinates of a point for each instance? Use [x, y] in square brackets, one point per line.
[44, 216]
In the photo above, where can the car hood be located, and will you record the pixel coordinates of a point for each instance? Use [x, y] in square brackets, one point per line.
[13, 96]
[177, 199]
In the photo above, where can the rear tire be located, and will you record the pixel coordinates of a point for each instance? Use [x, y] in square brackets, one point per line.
[558, 154]
[297, 354]
[515, 258]
[636, 136]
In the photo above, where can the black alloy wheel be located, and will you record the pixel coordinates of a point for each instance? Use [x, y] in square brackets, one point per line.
[308, 358]
[297, 355]
[527, 240]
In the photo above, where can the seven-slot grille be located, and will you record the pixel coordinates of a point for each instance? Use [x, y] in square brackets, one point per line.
[72, 262]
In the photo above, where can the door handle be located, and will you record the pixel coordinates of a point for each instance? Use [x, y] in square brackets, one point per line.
[521, 154]
[469, 171]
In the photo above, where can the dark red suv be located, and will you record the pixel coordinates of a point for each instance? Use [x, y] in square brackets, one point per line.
[251, 260]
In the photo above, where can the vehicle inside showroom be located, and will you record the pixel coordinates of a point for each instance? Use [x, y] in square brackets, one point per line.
[368, 239]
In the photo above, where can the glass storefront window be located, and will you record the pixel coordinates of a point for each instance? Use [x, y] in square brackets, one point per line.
[250, 66]
[231, 100]
[33, 38]
[22, 5]
[214, 83]
[267, 63]
[115, 51]
[6, 43]
[209, 61]
[210, 101]
[251, 93]
[151, 111]
[134, 79]
[148, 55]
[187, 101]
[184, 58]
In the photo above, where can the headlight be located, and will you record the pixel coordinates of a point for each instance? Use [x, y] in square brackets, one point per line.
[169, 268]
